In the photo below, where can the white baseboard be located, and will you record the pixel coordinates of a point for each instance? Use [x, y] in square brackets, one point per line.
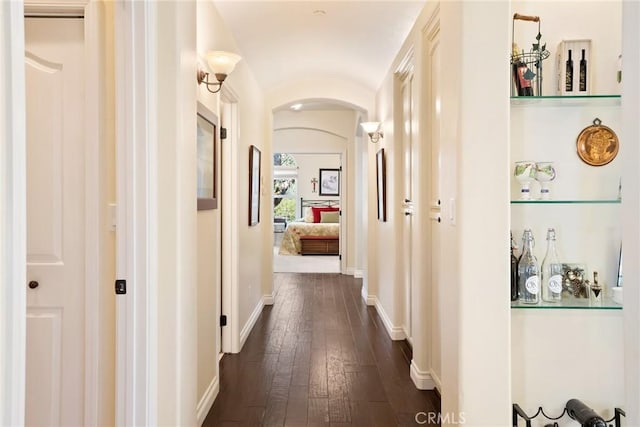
[395, 332]
[438, 382]
[205, 404]
[268, 299]
[368, 299]
[349, 271]
[358, 274]
[423, 380]
[246, 330]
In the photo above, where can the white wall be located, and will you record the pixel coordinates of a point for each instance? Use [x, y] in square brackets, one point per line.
[172, 216]
[254, 277]
[472, 257]
[559, 355]
[630, 154]
[209, 278]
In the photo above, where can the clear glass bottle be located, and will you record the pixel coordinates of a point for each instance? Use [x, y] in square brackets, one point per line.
[551, 271]
[528, 272]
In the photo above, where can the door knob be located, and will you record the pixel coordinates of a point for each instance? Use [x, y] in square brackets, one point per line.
[33, 284]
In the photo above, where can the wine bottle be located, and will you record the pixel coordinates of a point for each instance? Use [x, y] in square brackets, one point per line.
[514, 272]
[551, 271]
[583, 74]
[520, 73]
[568, 82]
[528, 272]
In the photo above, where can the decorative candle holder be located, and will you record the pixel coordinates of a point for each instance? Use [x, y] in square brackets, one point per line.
[524, 173]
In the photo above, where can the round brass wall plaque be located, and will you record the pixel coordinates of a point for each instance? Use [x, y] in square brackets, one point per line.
[597, 144]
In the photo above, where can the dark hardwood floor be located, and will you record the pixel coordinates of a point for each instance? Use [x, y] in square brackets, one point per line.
[319, 357]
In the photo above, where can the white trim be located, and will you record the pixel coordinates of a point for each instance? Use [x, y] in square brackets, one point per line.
[13, 214]
[368, 299]
[56, 7]
[268, 299]
[395, 332]
[96, 342]
[136, 259]
[246, 330]
[205, 404]
[423, 380]
[437, 381]
[229, 206]
[358, 274]
[349, 271]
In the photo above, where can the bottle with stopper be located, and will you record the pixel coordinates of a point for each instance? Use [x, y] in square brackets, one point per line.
[551, 271]
[528, 272]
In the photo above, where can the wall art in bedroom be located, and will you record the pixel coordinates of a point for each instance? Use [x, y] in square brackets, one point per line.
[329, 182]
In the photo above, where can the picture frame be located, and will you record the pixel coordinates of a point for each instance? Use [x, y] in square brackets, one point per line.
[254, 185]
[329, 182]
[381, 185]
[206, 148]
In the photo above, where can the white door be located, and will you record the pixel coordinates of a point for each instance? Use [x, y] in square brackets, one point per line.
[55, 221]
[408, 204]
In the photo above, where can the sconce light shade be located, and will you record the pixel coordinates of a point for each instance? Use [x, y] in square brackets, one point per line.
[221, 64]
[373, 130]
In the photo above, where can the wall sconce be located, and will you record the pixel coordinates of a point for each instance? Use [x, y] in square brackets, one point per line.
[221, 64]
[373, 130]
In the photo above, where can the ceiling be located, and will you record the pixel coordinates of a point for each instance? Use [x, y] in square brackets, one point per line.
[285, 41]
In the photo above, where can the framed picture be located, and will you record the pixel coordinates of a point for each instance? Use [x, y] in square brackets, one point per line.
[206, 142]
[254, 185]
[381, 184]
[329, 182]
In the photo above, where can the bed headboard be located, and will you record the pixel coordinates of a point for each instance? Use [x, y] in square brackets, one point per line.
[306, 203]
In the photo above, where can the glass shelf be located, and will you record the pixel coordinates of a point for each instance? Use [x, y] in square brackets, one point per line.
[566, 202]
[570, 304]
[569, 100]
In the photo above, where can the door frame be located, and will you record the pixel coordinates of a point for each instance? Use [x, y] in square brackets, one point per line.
[229, 119]
[13, 213]
[13, 203]
[136, 118]
[404, 76]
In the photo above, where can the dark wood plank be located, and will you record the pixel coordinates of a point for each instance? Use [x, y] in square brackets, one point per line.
[319, 357]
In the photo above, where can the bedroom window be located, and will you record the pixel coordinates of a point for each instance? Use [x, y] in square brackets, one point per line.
[285, 188]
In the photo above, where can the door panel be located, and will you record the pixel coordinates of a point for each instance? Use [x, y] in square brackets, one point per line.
[44, 359]
[55, 221]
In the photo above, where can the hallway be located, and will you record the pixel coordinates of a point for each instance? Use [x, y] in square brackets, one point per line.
[319, 357]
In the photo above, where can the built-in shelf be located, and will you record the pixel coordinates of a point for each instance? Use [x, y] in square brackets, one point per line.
[571, 100]
[571, 304]
[567, 202]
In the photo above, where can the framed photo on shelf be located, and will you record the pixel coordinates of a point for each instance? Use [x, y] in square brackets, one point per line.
[329, 182]
[254, 185]
[381, 184]
[206, 141]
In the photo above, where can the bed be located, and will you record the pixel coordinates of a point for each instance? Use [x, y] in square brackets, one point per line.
[306, 237]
